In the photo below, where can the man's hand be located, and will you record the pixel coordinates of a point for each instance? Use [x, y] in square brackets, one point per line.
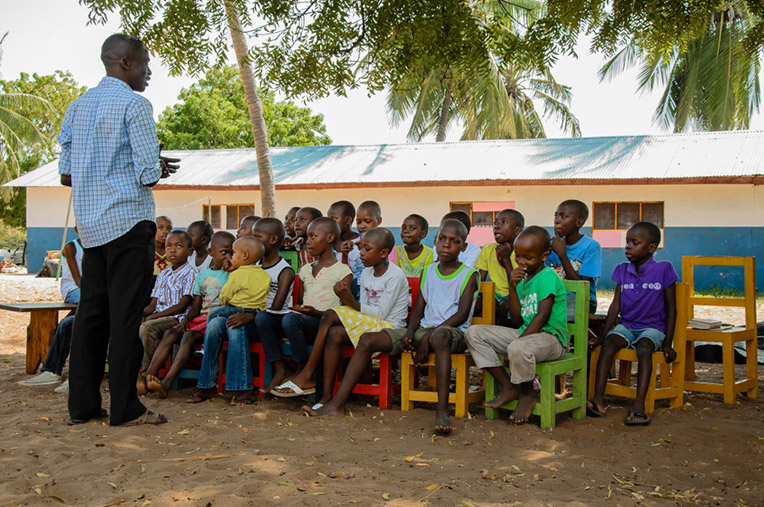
[518, 275]
[558, 245]
[669, 353]
[168, 165]
[504, 254]
[239, 319]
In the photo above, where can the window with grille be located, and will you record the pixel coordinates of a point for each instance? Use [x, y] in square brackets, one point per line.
[612, 218]
[226, 216]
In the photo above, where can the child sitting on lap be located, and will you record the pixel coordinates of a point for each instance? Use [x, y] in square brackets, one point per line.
[170, 299]
[645, 297]
[442, 312]
[190, 331]
[317, 282]
[537, 307]
[412, 256]
[383, 305]
[247, 287]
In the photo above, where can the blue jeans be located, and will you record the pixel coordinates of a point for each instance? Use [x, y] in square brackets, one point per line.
[59, 349]
[632, 336]
[270, 332]
[238, 369]
[73, 296]
[300, 330]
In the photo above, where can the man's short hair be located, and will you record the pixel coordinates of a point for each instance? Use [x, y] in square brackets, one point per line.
[422, 221]
[118, 46]
[461, 216]
[652, 231]
[456, 224]
[346, 208]
[582, 210]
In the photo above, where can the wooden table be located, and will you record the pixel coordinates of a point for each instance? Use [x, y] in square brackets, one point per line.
[43, 320]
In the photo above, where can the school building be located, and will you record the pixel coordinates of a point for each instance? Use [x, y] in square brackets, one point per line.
[703, 190]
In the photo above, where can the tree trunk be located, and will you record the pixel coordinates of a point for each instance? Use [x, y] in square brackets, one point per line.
[255, 107]
[445, 108]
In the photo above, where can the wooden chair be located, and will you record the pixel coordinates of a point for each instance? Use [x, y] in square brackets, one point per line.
[462, 396]
[548, 407]
[729, 388]
[671, 376]
[385, 388]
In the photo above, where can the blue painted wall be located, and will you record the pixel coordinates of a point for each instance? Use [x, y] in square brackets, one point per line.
[679, 241]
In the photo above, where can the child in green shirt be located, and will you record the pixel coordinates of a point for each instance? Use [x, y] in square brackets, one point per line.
[537, 307]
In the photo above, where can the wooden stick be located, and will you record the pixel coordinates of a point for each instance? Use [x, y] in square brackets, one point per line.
[186, 458]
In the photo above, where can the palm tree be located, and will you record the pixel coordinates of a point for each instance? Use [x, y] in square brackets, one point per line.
[255, 107]
[711, 84]
[492, 97]
[16, 130]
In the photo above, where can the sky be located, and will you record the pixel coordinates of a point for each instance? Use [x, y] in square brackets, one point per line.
[48, 35]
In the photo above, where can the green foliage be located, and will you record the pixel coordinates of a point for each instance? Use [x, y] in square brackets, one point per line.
[43, 102]
[11, 237]
[711, 83]
[213, 114]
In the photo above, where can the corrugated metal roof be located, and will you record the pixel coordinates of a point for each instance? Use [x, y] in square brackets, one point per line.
[677, 156]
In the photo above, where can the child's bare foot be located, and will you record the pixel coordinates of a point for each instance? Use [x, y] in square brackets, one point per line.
[155, 385]
[443, 423]
[140, 385]
[244, 398]
[524, 408]
[326, 410]
[202, 395]
[503, 396]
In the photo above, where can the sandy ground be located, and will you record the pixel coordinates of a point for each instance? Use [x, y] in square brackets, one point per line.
[214, 454]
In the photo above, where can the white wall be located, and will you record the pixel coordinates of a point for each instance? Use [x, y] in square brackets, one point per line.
[686, 205]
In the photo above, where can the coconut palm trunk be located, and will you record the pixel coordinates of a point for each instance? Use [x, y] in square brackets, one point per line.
[255, 107]
[445, 108]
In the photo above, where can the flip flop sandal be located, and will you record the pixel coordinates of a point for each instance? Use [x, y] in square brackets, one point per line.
[296, 390]
[592, 410]
[101, 415]
[148, 417]
[316, 406]
[637, 419]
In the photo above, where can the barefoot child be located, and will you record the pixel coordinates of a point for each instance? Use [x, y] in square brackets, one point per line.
[190, 331]
[412, 256]
[164, 228]
[246, 225]
[384, 304]
[537, 308]
[289, 234]
[245, 292]
[302, 220]
[442, 312]
[201, 233]
[497, 260]
[645, 298]
[316, 296]
[170, 299]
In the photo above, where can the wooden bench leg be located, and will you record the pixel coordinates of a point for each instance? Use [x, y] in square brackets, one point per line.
[728, 365]
[752, 368]
[42, 326]
[408, 379]
[462, 385]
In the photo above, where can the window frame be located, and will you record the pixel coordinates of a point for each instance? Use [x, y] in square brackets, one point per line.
[223, 214]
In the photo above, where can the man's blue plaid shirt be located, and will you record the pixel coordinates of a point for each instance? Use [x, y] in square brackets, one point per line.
[109, 147]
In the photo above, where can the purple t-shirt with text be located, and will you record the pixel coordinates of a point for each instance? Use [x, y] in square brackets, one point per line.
[642, 300]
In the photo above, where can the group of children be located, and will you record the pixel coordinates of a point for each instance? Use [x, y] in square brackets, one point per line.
[214, 287]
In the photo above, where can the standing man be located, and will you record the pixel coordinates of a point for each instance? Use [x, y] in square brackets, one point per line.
[111, 158]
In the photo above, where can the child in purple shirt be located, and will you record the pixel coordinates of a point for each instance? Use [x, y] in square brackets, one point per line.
[645, 297]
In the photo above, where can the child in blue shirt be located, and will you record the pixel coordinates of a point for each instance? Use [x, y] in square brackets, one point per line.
[575, 256]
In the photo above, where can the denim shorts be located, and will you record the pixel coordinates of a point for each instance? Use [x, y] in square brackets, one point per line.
[73, 296]
[632, 336]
